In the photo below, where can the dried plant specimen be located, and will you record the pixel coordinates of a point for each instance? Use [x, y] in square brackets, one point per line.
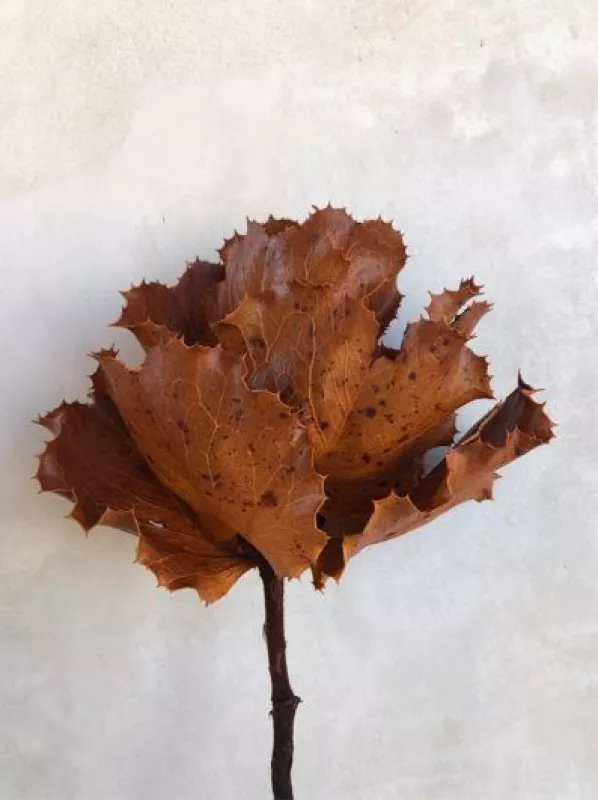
[269, 427]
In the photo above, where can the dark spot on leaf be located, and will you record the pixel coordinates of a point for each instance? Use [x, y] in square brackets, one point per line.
[369, 411]
[268, 499]
[286, 395]
[412, 376]
[366, 457]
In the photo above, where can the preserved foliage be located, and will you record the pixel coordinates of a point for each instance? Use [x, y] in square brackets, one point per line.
[268, 425]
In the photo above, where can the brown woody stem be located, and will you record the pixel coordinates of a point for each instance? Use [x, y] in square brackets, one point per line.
[284, 702]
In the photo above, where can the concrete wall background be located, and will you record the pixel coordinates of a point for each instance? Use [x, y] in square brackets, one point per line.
[459, 663]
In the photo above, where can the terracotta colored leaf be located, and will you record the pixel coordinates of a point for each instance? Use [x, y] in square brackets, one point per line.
[349, 502]
[269, 425]
[409, 393]
[467, 472]
[94, 463]
[312, 350]
[316, 297]
[234, 455]
[154, 312]
[181, 559]
[329, 252]
[406, 407]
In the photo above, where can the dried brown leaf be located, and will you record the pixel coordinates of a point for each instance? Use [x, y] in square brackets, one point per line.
[330, 251]
[155, 312]
[468, 471]
[315, 299]
[408, 399]
[93, 462]
[268, 422]
[312, 353]
[233, 454]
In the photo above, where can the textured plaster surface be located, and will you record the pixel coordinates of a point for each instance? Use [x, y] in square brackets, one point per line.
[459, 663]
